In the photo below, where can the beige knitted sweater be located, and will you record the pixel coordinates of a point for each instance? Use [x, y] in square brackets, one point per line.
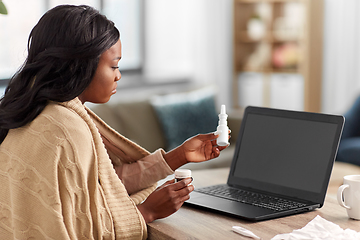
[57, 180]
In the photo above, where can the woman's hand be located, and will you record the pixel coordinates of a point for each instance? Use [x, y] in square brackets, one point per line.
[166, 200]
[199, 148]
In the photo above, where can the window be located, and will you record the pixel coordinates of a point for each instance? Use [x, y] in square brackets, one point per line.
[24, 14]
[15, 28]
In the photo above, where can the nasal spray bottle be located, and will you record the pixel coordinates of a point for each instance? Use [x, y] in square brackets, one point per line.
[222, 129]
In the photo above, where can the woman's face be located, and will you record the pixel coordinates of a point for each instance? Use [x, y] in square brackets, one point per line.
[103, 85]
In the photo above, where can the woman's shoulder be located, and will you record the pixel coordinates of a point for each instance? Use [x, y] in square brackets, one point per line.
[57, 125]
[61, 120]
[59, 112]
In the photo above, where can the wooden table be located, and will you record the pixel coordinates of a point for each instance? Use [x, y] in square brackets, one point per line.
[192, 223]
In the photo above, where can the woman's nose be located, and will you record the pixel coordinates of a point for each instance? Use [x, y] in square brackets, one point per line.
[118, 75]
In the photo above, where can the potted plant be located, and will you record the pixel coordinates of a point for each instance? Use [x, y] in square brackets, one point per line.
[3, 9]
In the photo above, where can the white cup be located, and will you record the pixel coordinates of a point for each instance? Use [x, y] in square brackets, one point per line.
[348, 196]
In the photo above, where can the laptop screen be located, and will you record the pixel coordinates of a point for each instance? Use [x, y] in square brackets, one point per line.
[285, 152]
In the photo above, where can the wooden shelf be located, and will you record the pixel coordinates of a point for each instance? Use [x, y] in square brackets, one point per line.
[281, 44]
[244, 37]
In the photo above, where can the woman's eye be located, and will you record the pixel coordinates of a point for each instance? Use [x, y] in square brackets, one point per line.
[117, 67]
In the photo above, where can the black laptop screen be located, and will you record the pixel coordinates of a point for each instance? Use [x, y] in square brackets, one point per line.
[280, 153]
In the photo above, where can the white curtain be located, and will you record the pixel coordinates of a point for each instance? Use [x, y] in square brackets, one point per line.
[168, 39]
[213, 55]
[341, 64]
[192, 39]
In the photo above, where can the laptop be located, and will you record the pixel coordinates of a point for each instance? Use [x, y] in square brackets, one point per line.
[281, 166]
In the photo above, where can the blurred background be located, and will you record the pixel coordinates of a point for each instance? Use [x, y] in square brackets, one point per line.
[295, 54]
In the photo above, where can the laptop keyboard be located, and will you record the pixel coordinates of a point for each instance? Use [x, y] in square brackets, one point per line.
[255, 199]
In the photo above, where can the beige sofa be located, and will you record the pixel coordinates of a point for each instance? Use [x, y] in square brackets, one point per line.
[138, 121]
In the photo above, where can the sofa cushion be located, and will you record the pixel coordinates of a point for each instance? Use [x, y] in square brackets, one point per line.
[135, 120]
[106, 113]
[183, 115]
[140, 124]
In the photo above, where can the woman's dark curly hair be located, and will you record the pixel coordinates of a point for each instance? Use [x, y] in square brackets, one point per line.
[63, 53]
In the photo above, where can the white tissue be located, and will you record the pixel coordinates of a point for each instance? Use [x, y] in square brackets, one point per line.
[319, 229]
